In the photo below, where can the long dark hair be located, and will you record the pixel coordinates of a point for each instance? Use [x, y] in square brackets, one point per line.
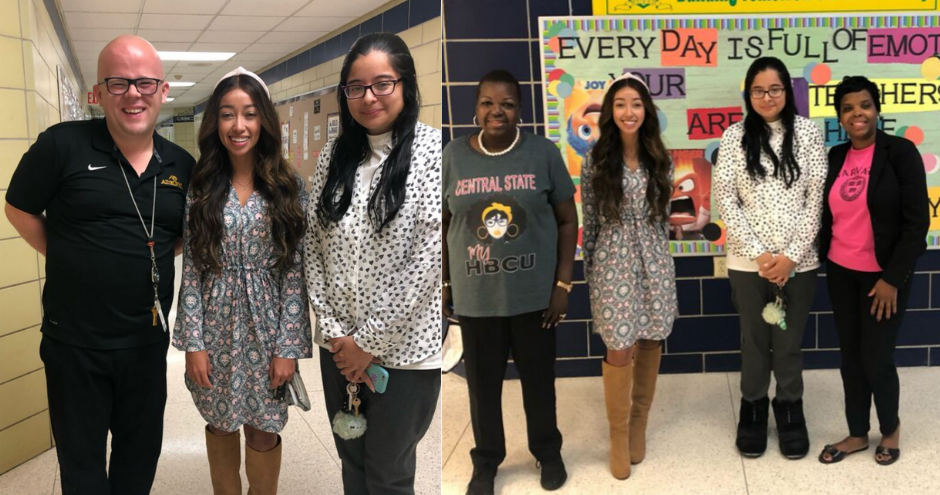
[274, 179]
[352, 147]
[757, 133]
[607, 157]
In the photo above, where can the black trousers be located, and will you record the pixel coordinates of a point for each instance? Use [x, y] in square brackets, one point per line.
[487, 343]
[383, 460]
[766, 347]
[92, 392]
[867, 347]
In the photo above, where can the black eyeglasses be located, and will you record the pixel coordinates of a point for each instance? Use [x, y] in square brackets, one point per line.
[120, 85]
[381, 88]
[758, 94]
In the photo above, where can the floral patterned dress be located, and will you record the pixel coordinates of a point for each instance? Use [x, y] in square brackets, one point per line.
[243, 317]
[628, 266]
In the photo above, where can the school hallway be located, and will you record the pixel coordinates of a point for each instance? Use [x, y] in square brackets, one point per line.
[310, 464]
[690, 441]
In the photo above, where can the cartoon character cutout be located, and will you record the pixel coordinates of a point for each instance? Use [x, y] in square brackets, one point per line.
[690, 204]
[582, 112]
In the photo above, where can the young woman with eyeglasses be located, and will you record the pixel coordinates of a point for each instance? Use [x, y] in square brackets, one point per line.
[768, 183]
[373, 263]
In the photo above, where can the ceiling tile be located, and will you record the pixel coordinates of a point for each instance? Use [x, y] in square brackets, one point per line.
[182, 6]
[292, 37]
[314, 23]
[86, 20]
[97, 34]
[273, 48]
[229, 37]
[346, 8]
[156, 35]
[185, 76]
[88, 47]
[244, 23]
[170, 21]
[218, 47]
[271, 8]
[169, 46]
[252, 57]
[196, 67]
[132, 6]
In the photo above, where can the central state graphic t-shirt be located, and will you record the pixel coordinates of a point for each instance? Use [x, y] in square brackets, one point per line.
[853, 240]
[502, 239]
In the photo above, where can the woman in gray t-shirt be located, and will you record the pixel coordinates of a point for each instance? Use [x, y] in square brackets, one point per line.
[510, 229]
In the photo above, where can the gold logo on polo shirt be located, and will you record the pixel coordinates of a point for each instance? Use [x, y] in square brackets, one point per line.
[172, 181]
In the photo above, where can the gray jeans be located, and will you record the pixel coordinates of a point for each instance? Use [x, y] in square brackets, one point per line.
[382, 462]
[765, 347]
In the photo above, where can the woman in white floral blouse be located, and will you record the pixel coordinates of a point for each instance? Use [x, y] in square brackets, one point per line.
[373, 263]
[243, 317]
[768, 183]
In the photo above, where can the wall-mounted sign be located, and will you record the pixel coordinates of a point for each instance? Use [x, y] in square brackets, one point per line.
[332, 126]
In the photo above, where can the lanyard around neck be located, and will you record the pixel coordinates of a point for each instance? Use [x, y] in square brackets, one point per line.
[153, 213]
[154, 273]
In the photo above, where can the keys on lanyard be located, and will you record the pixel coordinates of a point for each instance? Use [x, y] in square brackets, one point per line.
[352, 404]
[157, 310]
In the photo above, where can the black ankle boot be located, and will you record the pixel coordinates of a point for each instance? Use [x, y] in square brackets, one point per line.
[752, 427]
[482, 482]
[553, 474]
[791, 428]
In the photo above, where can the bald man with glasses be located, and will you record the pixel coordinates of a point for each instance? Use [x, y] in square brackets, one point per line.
[103, 201]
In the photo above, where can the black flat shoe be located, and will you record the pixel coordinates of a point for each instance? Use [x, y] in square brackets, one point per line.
[553, 474]
[892, 455]
[482, 482]
[837, 455]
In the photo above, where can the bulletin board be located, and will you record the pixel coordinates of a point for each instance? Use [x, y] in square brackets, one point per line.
[304, 119]
[695, 68]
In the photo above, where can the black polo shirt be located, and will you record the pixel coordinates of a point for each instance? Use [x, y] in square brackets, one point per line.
[98, 292]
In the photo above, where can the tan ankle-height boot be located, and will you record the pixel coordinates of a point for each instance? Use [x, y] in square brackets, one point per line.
[618, 381]
[644, 386]
[225, 460]
[263, 469]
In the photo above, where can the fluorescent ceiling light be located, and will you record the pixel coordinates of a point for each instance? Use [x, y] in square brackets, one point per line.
[170, 99]
[197, 56]
[181, 84]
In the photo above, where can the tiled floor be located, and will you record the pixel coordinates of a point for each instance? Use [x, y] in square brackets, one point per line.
[691, 441]
[309, 466]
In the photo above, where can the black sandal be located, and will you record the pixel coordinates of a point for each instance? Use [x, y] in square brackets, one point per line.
[836, 455]
[892, 454]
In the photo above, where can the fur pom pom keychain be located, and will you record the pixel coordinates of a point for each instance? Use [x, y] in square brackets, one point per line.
[775, 312]
[348, 423]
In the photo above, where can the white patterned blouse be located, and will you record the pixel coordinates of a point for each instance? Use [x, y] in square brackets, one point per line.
[763, 215]
[381, 288]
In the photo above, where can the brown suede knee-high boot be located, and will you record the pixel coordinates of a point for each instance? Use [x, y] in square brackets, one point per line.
[263, 469]
[618, 382]
[644, 387]
[225, 461]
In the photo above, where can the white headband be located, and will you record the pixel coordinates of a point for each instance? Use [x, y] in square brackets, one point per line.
[241, 71]
[630, 75]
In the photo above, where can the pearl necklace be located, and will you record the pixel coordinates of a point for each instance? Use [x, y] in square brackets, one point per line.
[498, 153]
